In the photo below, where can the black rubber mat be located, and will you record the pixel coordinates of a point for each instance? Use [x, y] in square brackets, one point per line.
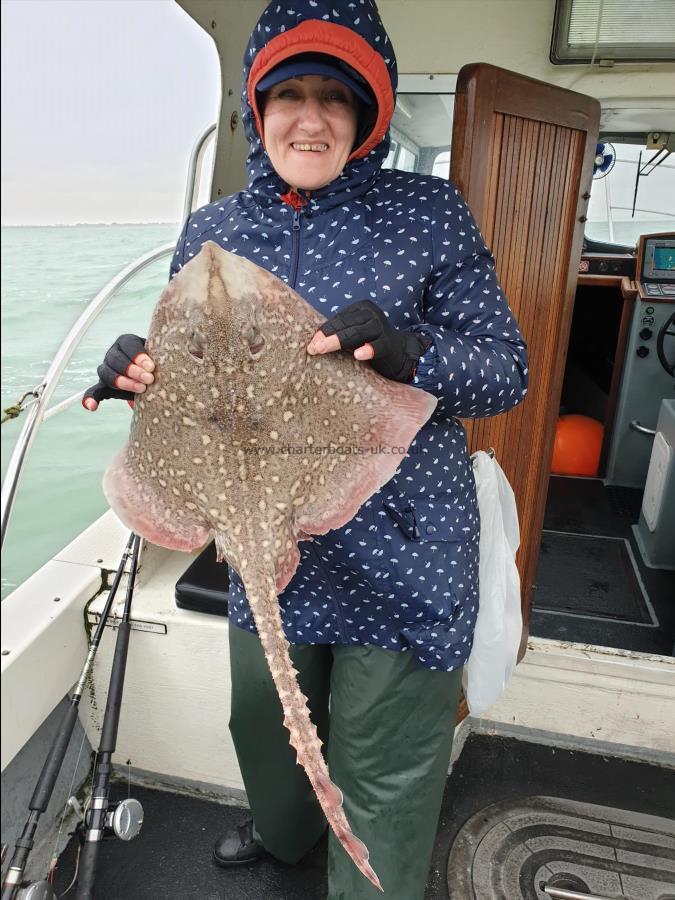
[171, 858]
[587, 506]
[591, 576]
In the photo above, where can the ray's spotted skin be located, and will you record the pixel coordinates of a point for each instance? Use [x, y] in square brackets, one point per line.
[246, 437]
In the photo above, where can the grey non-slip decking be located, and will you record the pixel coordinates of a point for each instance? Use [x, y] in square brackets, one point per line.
[171, 859]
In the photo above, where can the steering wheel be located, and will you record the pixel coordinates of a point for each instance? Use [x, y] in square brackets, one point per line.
[667, 329]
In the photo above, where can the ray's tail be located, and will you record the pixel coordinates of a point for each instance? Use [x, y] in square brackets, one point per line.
[304, 739]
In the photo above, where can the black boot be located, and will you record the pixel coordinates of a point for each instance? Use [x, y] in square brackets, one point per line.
[238, 846]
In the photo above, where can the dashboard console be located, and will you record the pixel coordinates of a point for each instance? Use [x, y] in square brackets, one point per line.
[655, 275]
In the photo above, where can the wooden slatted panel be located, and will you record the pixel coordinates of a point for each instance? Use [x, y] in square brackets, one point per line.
[522, 156]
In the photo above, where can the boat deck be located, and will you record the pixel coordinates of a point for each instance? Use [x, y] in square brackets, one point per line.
[516, 814]
[518, 841]
[592, 585]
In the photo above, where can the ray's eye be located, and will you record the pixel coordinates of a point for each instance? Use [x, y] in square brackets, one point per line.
[196, 346]
[253, 338]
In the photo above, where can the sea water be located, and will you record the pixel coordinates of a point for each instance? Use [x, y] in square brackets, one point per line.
[49, 275]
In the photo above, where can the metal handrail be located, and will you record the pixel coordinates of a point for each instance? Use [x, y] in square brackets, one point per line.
[35, 413]
[636, 426]
[38, 412]
[195, 169]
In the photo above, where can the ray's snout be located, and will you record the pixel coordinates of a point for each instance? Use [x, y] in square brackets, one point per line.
[238, 277]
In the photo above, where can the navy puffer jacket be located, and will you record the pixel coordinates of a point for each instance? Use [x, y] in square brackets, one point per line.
[403, 574]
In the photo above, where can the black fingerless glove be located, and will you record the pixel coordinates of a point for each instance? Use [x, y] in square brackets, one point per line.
[116, 362]
[396, 352]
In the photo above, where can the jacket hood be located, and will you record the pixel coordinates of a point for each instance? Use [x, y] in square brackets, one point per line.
[349, 29]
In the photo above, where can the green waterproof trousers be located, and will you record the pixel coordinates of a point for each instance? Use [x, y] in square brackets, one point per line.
[389, 734]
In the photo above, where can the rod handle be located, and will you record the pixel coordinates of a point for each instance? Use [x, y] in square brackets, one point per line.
[86, 877]
[50, 771]
[111, 717]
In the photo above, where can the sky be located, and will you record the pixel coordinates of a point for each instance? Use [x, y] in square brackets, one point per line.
[102, 101]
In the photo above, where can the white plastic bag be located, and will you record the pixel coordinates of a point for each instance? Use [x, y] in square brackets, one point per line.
[499, 624]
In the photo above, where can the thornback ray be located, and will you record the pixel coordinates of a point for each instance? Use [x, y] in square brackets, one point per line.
[245, 437]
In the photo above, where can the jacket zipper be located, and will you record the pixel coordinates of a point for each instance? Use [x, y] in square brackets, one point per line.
[297, 210]
[297, 203]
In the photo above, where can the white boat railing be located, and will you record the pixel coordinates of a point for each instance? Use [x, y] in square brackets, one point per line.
[37, 411]
[195, 170]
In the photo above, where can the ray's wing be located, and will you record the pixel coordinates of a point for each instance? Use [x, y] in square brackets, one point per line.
[148, 512]
[372, 422]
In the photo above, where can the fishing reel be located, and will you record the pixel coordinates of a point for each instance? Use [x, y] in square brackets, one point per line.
[123, 820]
[29, 890]
[36, 890]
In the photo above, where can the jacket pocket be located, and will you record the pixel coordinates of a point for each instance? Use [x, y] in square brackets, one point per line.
[426, 545]
[429, 519]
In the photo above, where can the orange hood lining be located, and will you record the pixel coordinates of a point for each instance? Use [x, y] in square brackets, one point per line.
[316, 36]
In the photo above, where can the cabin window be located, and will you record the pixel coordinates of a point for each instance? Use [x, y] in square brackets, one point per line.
[391, 156]
[623, 206]
[407, 160]
[421, 128]
[441, 167]
[596, 31]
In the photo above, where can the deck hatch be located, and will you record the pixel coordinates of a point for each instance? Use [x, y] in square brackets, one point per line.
[508, 849]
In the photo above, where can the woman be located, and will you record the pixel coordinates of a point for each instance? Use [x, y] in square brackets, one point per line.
[380, 613]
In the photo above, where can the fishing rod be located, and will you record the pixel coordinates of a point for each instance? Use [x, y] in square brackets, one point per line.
[129, 814]
[52, 766]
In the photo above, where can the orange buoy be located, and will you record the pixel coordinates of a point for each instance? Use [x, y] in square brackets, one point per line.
[576, 450]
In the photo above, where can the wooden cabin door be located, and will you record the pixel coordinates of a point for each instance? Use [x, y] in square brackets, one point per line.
[522, 156]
